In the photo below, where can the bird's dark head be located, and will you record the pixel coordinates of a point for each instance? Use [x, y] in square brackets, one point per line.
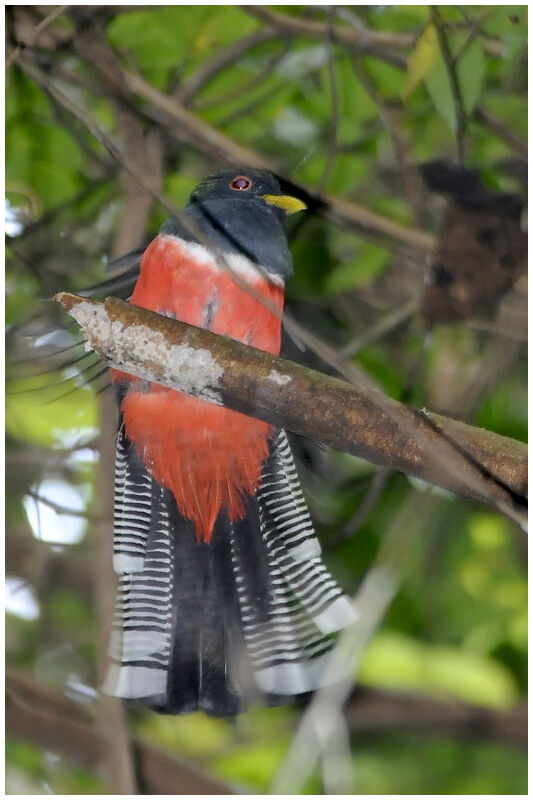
[247, 186]
[242, 211]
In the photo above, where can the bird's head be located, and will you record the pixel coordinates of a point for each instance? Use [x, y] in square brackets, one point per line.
[246, 186]
[240, 211]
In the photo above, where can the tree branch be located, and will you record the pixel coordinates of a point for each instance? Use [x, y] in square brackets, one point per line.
[498, 127]
[365, 40]
[186, 126]
[45, 717]
[189, 128]
[32, 37]
[381, 44]
[373, 711]
[194, 83]
[461, 116]
[368, 424]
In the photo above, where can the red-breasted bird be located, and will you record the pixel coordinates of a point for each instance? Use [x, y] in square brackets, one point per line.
[223, 595]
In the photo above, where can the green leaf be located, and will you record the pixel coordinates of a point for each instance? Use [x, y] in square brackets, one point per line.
[470, 74]
[397, 661]
[159, 39]
[32, 417]
[488, 531]
[437, 82]
[421, 59]
[370, 261]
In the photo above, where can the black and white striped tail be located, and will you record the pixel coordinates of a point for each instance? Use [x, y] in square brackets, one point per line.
[211, 626]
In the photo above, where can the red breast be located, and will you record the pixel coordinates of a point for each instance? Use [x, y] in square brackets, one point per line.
[209, 457]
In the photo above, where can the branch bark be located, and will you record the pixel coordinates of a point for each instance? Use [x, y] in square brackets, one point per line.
[443, 451]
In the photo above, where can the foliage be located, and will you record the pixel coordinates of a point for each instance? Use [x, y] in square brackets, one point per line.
[352, 123]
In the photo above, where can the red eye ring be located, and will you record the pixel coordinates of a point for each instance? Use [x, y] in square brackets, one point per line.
[240, 184]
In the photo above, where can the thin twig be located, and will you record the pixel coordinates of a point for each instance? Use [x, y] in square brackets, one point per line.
[255, 80]
[460, 113]
[503, 131]
[51, 17]
[381, 328]
[474, 29]
[375, 490]
[410, 180]
[248, 109]
[335, 111]
[191, 86]
[59, 509]
[57, 724]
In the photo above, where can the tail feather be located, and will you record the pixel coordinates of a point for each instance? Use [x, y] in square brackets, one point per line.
[290, 538]
[133, 507]
[210, 626]
[142, 627]
[204, 622]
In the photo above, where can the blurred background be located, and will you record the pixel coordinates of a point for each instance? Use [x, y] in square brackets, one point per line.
[407, 127]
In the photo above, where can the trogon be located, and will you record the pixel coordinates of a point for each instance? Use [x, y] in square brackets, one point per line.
[223, 598]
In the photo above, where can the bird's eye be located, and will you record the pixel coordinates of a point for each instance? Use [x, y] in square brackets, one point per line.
[241, 183]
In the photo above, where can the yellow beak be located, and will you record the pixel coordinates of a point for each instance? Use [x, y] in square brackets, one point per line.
[289, 204]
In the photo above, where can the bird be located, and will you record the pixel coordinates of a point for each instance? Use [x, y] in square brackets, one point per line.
[223, 599]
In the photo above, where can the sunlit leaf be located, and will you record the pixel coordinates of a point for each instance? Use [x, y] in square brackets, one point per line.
[398, 662]
[44, 417]
[421, 59]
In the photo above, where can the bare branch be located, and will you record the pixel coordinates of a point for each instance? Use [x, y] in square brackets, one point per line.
[59, 509]
[332, 147]
[377, 485]
[32, 37]
[252, 82]
[193, 130]
[515, 142]
[461, 117]
[376, 42]
[384, 326]
[372, 711]
[201, 134]
[189, 88]
[390, 114]
[443, 451]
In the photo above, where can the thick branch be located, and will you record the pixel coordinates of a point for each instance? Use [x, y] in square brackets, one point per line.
[437, 449]
[57, 724]
[378, 711]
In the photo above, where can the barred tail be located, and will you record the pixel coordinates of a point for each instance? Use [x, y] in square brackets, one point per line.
[213, 627]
